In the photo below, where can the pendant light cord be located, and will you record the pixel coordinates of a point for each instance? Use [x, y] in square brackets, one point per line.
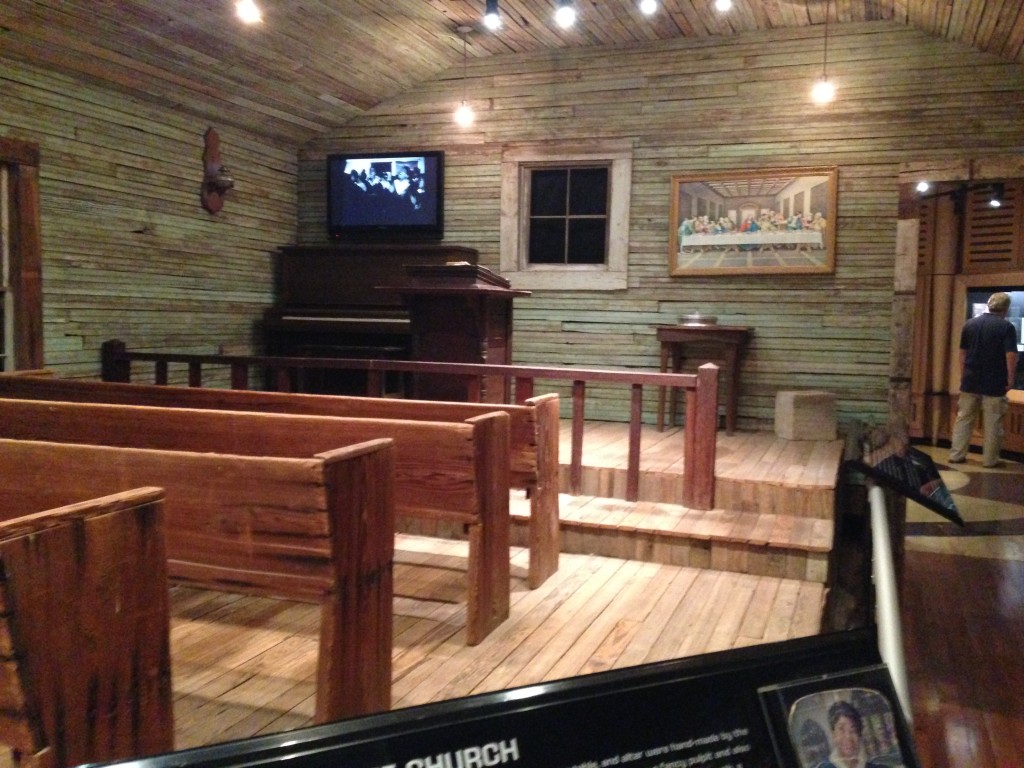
[463, 67]
[824, 61]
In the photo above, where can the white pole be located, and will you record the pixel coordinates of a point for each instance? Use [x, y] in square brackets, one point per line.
[887, 606]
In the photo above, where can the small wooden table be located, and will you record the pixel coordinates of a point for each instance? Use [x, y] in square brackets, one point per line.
[727, 340]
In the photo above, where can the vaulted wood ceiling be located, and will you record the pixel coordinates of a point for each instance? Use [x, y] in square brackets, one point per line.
[313, 64]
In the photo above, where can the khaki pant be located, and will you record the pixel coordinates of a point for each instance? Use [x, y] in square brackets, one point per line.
[993, 410]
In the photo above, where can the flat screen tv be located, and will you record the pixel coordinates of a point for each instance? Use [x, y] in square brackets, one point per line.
[386, 196]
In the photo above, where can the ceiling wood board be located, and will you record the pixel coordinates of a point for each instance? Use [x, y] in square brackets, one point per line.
[313, 65]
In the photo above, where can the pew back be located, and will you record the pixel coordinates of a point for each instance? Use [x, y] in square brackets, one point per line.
[431, 458]
[448, 470]
[533, 431]
[84, 629]
[318, 529]
[523, 419]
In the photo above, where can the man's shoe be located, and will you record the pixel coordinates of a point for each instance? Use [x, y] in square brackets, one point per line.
[994, 466]
[956, 461]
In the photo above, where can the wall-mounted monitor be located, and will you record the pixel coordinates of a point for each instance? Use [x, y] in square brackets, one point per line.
[385, 196]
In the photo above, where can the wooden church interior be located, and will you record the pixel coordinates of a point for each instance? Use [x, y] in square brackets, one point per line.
[163, 197]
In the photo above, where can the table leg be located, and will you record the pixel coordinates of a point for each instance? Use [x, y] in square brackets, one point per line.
[661, 390]
[732, 400]
[676, 367]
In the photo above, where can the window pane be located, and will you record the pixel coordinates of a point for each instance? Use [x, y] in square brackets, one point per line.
[588, 193]
[547, 241]
[586, 241]
[548, 192]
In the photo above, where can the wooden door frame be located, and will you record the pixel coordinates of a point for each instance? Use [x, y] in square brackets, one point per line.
[25, 251]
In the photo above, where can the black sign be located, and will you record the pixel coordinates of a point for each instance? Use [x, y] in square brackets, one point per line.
[710, 711]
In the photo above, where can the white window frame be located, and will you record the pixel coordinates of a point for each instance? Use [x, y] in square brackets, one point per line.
[516, 161]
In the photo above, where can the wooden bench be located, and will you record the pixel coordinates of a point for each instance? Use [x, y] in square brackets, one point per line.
[456, 471]
[85, 669]
[318, 529]
[533, 432]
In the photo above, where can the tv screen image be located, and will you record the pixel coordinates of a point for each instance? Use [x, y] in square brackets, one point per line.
[386, 195]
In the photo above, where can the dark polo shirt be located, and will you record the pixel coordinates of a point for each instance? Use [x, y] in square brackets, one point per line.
[986, 338]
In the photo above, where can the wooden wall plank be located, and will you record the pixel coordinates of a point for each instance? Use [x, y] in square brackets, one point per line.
[690, 106]
[127, 250]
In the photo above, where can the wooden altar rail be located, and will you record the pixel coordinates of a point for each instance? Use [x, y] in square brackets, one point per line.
[701, 398]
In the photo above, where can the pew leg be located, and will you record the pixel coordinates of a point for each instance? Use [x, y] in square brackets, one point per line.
[545, 543]
[352, 679]
[487, 604]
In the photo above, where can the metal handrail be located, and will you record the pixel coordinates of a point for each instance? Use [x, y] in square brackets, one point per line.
[887, 604]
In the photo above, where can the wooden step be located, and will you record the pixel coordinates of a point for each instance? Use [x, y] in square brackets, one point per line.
[754, 471]
[762, 544]
[758, 543]
[763, 474]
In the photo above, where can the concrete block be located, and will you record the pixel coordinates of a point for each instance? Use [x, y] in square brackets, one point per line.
[805, 415]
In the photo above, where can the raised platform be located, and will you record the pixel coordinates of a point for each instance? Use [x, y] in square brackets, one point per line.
[774, 508]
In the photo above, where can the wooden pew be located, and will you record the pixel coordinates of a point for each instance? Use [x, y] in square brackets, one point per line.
[533, 432]
[318, 528]
[85, 668]
[456, 471]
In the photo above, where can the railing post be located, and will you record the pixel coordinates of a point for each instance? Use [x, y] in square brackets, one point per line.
[239, 376]
[524, 389]
[114, 365]
[195, 374]
[579, 398]
[282, 381]
[160, 373]
[633, 465]
[375, 384]
[701, 439]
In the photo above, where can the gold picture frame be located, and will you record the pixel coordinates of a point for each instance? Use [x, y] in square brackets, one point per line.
[773, 221]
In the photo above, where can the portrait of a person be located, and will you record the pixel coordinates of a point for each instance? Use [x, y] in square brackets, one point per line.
[846, 735]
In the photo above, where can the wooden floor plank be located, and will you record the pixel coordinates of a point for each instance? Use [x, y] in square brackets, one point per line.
[628, 584]
[245, 666]
[732, 613]
[755, 621]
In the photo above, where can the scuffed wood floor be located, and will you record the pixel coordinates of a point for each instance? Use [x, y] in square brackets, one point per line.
[244, 666]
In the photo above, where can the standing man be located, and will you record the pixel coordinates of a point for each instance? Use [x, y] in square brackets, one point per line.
[988, 362]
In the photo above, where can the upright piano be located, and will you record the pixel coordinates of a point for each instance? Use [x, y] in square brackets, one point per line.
[341, 301]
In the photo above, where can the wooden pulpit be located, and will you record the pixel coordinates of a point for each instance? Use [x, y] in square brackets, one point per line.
[459, 313]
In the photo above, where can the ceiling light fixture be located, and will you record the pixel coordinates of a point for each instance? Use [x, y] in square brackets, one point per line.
[824, 90]
[248, 11]
[648, 7]
[995, 198]
[464, 113]
[723, 6]
[565, 15]
[959, 194]
[923, 186]
[492, 18]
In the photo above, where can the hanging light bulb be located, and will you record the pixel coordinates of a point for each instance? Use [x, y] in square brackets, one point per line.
[248, 11]
[565, 15]
[722, 6]
[492, 18]
[464, 113]
[923, 186]
[648, 7]
[824, 90]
